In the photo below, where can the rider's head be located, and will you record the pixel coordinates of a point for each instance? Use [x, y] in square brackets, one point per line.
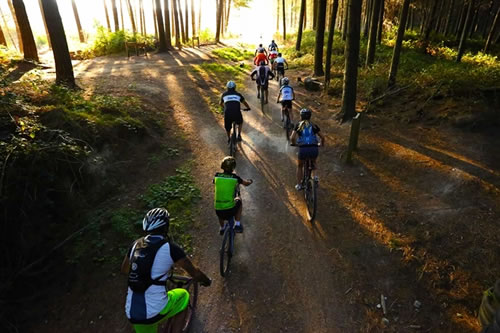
[285, 81]
[272, 41]
[279, 54]
[156, 221]
[262, 63]
[228, 164]
[305, 114]
[260, 45]
[231, 85]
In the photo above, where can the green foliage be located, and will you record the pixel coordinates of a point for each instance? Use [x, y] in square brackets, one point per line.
[206, 36]
[126, 222]
[41, 41]
[232, 54]
[164, 154]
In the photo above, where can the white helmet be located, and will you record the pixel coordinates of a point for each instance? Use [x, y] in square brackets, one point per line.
[230, 85]
[155, 218]
[285, 81]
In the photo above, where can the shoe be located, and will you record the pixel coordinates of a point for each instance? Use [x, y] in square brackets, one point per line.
[239, 138]
[238, 228]
[258, 96]
[298, 187]
[221, 230]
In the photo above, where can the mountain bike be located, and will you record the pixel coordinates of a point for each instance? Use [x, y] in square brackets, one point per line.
[233, 140]
[188, 283]
[310, 187]
[227, 249]
[262, 98]
[287, 124]
[280, 75]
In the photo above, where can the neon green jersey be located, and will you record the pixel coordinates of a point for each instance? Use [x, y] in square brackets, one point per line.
[225, 190]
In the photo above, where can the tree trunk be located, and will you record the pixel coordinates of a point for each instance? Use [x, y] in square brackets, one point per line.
[77, 20]
[430, 21]
[181, 21]
[199, 16]
[155, 20]
[368, 10]
[410, 18]
[161, 28]
[227, 14]
[168, 35]
[186, 18]
[372, 38]
[473, 25]
[115, 14]
[492, 31]
[380, 22]
[193, 19]
[278, 15]
[2, 38]
[320, 39]
[351, 61]
[175, 14]
[284, 20]
[399, 42]
[108, 23]
[315, 14]
[64, 68]
[132, 20]
[329, 45]
[461, 22]
[218, 21]
[345, 25]
[18, 29]
[141, 18]
[468, 19]
[29, 46]
[44, 24]
[448, 18]
[301, 24]
[7, 28]
[437, 21]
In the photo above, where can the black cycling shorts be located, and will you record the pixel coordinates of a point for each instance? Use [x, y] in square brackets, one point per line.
[280, 68]
[308, 153]
[263, 86]
[226, 214]
[230, 117]
[287, 104]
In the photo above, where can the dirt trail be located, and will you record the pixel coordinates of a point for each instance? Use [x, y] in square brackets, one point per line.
[292, 276]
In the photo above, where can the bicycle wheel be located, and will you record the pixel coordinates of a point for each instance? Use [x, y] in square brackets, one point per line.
[179, 281]
[225, 252]
[262, 99]
[232, 142]
[310, 194]
[288, 125]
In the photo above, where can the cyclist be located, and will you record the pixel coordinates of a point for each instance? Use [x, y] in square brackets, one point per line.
[273, 54]
[305, 135]
[231, 100]
[287, 95]
[227, 201]
[280, 63]
[263, 74]
[261, 56]
[273, 46]
[260, 49]
[147, 264]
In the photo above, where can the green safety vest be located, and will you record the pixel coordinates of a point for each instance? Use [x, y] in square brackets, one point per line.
[225, 189]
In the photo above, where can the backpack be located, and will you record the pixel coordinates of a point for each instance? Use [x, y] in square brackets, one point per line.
[307, 136]
[141, 262]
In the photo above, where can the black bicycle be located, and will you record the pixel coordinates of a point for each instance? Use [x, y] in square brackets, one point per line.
[280, 74]
[310, 187]
[287, 123]
[227, 248]
[179, 281]
[233, 139]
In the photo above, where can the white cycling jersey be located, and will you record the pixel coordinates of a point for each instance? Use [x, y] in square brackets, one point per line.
[286, 93]
[280, 60]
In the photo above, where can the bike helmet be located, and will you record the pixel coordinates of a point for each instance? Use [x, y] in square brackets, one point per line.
[279, 54]
[230, 85]
[155, 218]
[285, 81]
[305, 114]
[228, 164]
[262, 63]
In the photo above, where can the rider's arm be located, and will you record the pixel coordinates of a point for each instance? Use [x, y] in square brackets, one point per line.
[194, 271]
[246, 182]
[286, 63]
[322, 139]
[293, 137]
[293, 92]
[246, 104]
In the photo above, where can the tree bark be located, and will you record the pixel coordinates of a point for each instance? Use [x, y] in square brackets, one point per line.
[7, 28]
[372, 38]
[18, 29]
[380, 22]
[115, 14]
[77, 20]
[44, 24]
[461, 22]
[132, 19]
[227, 14]
[368, 10]
[351, 61]
[399, 42]
[2, 38]
[199, 17]
[320, 39]
[468, 19]
[277, 15]
[181, 21]
[155, 19]
[29, 46]
[492, 31]
[301, 24]
[186, 18]
[329, 45]
[218, 21]
[168, 35]
[430, 21]
[284, 20]
[315, 14]
[193, 19]
[141, 19]
[161, 28]
[108, 23]
[448, 18]
[176, 24]
[64, 68]
[345, 25]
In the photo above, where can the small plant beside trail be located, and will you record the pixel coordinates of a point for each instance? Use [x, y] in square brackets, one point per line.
[232, 54]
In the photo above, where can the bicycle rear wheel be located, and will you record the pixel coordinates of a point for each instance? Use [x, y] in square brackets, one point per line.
[232, 142]
[288, 125]
[310, 194]
[225, 252]
[262, 99]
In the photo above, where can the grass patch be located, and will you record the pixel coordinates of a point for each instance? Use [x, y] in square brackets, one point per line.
[232, 54]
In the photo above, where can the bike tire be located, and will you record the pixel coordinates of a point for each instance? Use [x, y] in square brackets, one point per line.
[310, 194]
[225, 253]
[232, 143]
[287, 127]
[192, 287]
[262, 100]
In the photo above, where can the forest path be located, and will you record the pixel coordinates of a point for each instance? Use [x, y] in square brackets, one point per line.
[373, 221]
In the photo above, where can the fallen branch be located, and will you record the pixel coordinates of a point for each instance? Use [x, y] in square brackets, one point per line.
[388, 93]
[382, 302]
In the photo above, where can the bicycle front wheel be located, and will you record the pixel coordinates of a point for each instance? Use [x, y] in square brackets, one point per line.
[288, 126]
[225, 252]
[232, 143]
[310, 195]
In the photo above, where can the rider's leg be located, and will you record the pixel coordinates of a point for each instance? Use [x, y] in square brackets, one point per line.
[239, 130]
[258, 91]
[300, 173]
[267, 94]
[237, 215]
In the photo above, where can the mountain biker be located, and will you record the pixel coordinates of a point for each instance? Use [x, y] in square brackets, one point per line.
[305, 135]
[231, 100]
[260, 49]
[273, 46]
[287, 95]
[273, 54]
[147, 264]
[261, 56]
[280, 63]
[262, 73]
[227, 201]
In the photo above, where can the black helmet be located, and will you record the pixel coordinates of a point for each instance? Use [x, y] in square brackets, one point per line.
[156, 218]
[228, 164]
[305, 114]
